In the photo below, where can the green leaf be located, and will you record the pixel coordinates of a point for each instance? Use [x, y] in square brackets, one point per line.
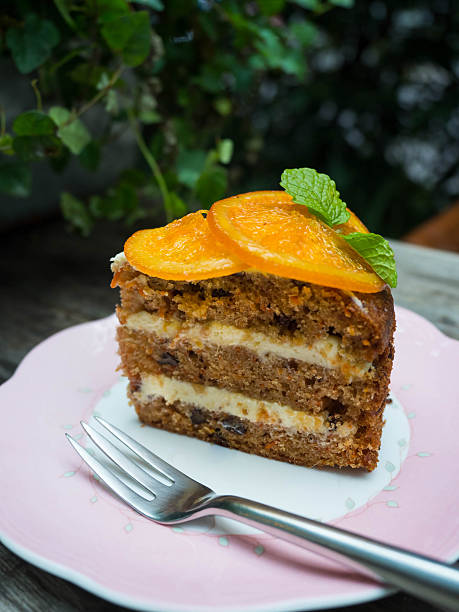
[73, 133]
[33, 123]
[63, 8]
[59, 115]
[147, 112]
[129, 35]
[273, 53]
[87, 74]
[294, 62]
[103, 81]
[120, 202]
[225, 150]
[271, 7]
[15, 178]
[223, 106]
[149, 117]
[75, 136]
[32, 148]
[124, 201]
[134, 177]
[60, 162]
[189, 166]
[304, 32]
[178, 206]
[246, 29]
[6, 144]
[31, 44]
[156, 5]
[316, 191]
[96, 206]
[308, 4]
[270, 47]
[110, 9]
[377, 252]
[207, 23]
[75, 211]
[111, 102]
[90, 156]
[209, 79]
[211, 185]
[343, 3]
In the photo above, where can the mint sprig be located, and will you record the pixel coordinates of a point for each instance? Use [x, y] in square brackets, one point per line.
[377, 252]
[316, 191]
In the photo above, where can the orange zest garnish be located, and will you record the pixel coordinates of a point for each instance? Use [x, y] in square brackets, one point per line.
[267, 231]
[182, 250]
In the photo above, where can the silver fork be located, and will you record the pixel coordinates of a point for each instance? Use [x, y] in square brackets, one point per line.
[175, 498]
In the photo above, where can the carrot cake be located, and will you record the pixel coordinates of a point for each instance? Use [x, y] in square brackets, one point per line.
[227, 334]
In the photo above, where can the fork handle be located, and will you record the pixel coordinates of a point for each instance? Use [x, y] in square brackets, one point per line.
[421, 576]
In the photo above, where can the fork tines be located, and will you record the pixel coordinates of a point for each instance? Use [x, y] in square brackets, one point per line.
[165, 474]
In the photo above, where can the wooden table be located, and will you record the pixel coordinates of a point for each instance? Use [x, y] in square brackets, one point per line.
[52, 279]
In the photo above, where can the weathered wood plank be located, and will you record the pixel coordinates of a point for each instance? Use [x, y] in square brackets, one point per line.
[429, 284]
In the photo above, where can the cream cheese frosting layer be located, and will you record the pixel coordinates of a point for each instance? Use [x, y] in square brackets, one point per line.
[218, 400]
[327, 353]
[118, 261]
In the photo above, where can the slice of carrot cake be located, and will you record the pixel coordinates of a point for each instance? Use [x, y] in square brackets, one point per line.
[227, 334]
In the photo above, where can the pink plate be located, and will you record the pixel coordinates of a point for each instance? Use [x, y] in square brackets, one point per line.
[57, 516]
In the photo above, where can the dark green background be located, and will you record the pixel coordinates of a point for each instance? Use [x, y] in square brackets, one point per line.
[369, 94]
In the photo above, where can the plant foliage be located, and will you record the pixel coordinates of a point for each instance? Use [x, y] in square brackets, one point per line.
[220, 96]
[379, 113]
[176, 75]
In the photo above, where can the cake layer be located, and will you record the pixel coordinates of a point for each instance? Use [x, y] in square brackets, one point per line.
[289, 382]
[218, 400]
[325, 352]
[268, 365]
[268, 440]
[278, 307]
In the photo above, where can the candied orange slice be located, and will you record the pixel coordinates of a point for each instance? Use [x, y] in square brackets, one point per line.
[265, 230]
[182, 250]
[352, 225]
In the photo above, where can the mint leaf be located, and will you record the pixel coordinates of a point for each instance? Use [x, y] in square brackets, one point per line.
[33, 123]
[316, 191]
[31, 44]
[377, 252]
[73, 132]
